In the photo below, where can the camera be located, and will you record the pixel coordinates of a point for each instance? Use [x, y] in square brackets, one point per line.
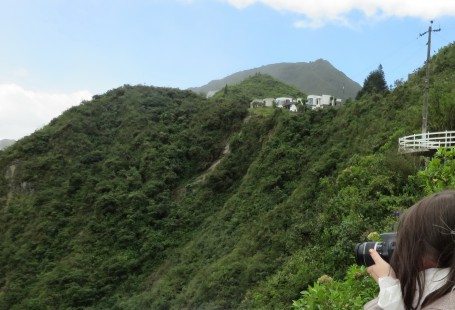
[385, 248]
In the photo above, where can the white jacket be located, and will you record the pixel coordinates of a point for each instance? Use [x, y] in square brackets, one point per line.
[391, 298]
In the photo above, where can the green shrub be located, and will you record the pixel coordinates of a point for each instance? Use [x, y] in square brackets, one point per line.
[352, 293]
[440, 172]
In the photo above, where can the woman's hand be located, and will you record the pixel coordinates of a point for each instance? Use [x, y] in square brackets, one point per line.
[380, 268]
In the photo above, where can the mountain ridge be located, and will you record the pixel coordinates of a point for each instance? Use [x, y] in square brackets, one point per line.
[4, 143]
[315, 77]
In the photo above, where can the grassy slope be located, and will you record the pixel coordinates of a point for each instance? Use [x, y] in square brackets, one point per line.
[258, 86]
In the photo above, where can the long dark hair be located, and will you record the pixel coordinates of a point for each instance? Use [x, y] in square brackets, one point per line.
[426, 232]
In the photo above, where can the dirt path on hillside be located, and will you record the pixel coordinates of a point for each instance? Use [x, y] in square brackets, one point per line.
[203, 176]
[226, 151]
[180, 192]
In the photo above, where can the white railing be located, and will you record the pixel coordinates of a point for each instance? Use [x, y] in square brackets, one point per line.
[424, 142]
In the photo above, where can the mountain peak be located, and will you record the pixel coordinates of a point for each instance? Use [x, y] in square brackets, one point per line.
[316, 77]
[322, 60]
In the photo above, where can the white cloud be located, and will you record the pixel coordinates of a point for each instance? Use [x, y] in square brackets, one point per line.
[23, 111]
[318, 13]
[308, 24]
[20, 73]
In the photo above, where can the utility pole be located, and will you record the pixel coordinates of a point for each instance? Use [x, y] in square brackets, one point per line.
[427, 79]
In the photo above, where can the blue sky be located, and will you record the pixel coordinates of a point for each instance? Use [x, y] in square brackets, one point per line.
[77, 48]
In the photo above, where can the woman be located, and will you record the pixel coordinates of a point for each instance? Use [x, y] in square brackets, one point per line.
[421, 274]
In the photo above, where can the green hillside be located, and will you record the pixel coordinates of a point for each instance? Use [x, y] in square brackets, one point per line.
[160, 199]
[258, 86]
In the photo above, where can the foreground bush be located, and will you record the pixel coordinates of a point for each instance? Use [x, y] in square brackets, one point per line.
[326, 293]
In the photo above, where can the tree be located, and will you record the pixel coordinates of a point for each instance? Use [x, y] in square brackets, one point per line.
[374, 83]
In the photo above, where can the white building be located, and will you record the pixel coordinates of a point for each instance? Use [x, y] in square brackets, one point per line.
[319, 102]
[256, 103]
[314, 101]
[283, 102]
[327, 100]
[269, 102]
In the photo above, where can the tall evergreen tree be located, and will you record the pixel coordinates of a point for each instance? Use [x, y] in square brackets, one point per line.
[374, 83]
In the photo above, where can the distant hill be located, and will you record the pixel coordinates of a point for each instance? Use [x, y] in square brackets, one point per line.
[5, 143]
[317, 77]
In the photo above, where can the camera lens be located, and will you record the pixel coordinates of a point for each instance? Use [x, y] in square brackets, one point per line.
[384, 248]
[362, 254]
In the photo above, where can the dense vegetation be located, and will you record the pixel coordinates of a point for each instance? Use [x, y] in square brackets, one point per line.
[90, 207]
[158, 198]
[258, 86]
[358, 287]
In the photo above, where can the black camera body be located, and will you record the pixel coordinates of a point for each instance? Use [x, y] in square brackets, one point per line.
[385, 248]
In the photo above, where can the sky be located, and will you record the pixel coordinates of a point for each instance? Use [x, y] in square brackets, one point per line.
[55, 53]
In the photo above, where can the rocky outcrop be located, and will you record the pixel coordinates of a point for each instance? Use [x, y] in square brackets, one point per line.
[15, 185]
